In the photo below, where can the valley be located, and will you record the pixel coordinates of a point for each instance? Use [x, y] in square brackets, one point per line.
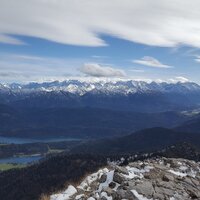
[45, 127]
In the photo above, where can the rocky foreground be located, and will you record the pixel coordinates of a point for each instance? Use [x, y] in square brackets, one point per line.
[162, 179]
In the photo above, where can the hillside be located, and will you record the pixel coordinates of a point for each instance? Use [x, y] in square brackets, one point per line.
[80, 122]
[146, 140]
[192, 125]
[49, 176]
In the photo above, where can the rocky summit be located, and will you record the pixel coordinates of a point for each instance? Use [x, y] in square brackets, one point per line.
[151, 179]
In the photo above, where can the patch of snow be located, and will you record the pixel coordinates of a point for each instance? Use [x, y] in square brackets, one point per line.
[177, 173]
[104, 194]
[139, 196]
[91, 198]
[183, 168]
[70, 191]
[79, 196]
[135, 172]
[179, 163]
[93, 177]
[109, 179]
[192, 173]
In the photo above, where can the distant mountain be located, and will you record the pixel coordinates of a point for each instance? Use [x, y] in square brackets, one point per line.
[128, 95]
[147, 140]
[107, 87]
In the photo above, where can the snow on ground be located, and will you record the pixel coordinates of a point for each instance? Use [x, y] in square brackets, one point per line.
[79, 196]
[109, 179]
[177, 173]
[139, 196]
[135, 172]
[104, 194]
[91, 198]
[183, 168]
[89, 179]
[70, 191]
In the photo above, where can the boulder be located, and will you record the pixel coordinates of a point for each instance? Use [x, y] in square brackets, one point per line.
[122, 170]
[118, 178]
[167, 177]
[145, 188]
[125, 194]
[103, 178]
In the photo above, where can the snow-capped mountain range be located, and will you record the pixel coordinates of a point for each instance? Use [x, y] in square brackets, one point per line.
[113, 87]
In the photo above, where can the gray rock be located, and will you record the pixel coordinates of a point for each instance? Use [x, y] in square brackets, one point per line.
[145, 188]
[118, 178]
[122, 170]
[112, 185]
[164, 191]
[103, 178]
[125, 194]
[194, 193]
[158, 196]
[109, 191]
[167, 177]
[170, 185]
[173, 163]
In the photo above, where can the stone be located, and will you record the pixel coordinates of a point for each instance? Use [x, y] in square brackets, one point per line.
[103, 178]
[109, 191]
[122, 170]
[125, 194]
[170, 185]
[158, 196]
[194, 193]
[145, 188]
[118, 178]
[173, 163]
[112, 185]
[164, 191]
[167, 177]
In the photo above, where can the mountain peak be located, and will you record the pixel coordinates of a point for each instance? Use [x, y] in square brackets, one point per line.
[105, 86]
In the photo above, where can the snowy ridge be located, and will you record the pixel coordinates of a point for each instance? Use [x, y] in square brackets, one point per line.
[119, 87]
[152, 179]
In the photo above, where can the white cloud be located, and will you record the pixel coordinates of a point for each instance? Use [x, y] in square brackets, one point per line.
[197, 59]
[179, 79]
[20, 68]
[151, 22]
[137, 70]
[94, 69]
[8, 39]
[151, 62]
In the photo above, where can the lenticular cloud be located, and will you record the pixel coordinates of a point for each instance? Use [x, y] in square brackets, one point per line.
[151, 22]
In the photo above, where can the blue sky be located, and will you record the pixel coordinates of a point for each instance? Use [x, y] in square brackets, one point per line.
[62, 42]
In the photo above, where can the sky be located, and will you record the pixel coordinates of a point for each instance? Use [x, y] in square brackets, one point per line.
[154, 40]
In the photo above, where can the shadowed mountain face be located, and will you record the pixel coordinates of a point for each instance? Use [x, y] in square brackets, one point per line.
[191, 125]
[80, 122]
[146, 140]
